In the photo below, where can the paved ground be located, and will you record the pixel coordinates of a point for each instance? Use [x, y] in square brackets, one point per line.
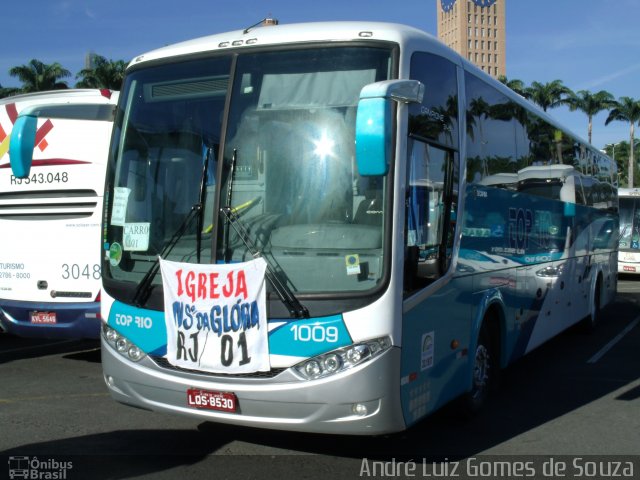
[578, 395]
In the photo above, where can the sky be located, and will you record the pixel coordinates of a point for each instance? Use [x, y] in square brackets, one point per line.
[588, 44]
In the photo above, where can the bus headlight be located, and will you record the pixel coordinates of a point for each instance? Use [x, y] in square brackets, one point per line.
[342, 359]
[121, 344]
[312, 369]
[111, 335]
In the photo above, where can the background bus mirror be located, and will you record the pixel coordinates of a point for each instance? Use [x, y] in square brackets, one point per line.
[23, 139]
[374, 122]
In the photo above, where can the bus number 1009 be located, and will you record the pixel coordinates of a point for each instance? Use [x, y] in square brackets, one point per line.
[314, 333]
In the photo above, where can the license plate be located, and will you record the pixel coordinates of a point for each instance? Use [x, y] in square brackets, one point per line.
[628, 269]
[205, 399]
[48, 318]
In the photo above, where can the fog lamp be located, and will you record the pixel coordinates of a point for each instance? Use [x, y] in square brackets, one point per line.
[359, 409]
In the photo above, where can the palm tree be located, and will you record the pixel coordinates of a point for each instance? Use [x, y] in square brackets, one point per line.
[8, 91]
[480, 109]
[627, 109]
[548, 95]
[105, 74]
[619, 151]
[514, 84]
[591, 104]
[37, 76]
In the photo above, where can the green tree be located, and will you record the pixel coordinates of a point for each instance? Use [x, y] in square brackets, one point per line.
[7, 92]
[627, 109]
[37, 76]
[514, 84]
[548, 95]
[620, 153]
[105, 74]
[590, 104]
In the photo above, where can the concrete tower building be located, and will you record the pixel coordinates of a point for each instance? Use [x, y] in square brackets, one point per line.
[476, 30]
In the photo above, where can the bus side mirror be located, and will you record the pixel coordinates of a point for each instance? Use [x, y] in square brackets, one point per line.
[22, 143]
[569, 209]
[374, 122]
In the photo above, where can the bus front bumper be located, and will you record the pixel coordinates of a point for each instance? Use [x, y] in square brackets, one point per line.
[283, 402]
[71, 320]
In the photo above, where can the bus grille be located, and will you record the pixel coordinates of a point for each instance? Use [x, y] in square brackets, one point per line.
[164, 363]
[203, 87]
[48, 204]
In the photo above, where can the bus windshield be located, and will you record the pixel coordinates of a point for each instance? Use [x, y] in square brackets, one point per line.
[629, 223]
[284, 124]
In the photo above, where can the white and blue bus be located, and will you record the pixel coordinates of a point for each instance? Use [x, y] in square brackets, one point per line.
[629, 243]
[50, 219]
[420, 226]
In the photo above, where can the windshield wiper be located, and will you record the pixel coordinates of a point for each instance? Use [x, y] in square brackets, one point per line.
[286, 295]
[288, 298]
[144, 287]
[143, 290]
[201, 198]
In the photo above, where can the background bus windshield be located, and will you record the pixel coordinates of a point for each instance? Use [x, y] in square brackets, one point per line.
[629, 223]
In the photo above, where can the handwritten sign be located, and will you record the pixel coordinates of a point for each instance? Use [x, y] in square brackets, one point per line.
[120, 200]
[216, 316]
[135, 236]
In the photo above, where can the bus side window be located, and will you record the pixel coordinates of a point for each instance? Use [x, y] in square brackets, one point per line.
[432, 172]
[429, 214]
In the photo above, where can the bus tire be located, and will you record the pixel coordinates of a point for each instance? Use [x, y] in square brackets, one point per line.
[484, 372]
[589, 324]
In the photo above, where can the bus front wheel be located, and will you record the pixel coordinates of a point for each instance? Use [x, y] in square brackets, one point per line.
[484, 373]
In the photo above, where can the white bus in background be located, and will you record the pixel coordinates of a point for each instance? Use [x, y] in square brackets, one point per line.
[629, 242]
[50, 220]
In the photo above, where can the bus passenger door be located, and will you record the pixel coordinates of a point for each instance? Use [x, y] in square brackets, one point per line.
[433, 372]
[436, 314]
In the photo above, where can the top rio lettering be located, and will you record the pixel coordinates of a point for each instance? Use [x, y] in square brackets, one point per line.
[520, 225]
[530, 228]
